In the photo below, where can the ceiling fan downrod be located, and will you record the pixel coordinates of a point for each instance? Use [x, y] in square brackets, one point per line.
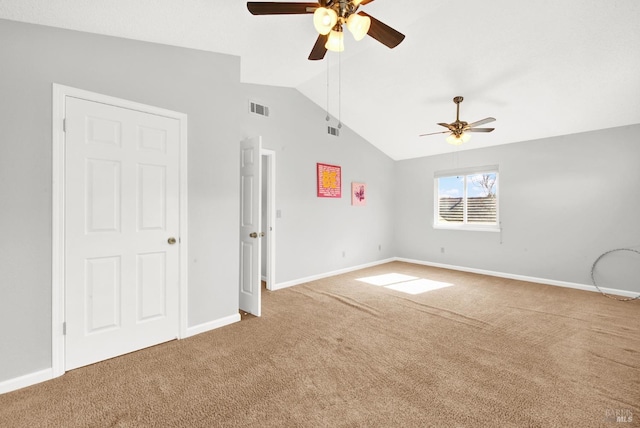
[458, 100]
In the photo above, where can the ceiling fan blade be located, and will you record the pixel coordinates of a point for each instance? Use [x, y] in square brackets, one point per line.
[481, 122]
[479, 129]
[279, 8]
[434, 133]
[319, 50]
[383, 33]
[446, 125]
[363, 2]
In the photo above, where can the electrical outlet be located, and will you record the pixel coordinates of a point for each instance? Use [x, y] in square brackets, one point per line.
[344, 253]
[442, 250]
[379, 247]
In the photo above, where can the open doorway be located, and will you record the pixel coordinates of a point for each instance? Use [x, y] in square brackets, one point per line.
[267, 263]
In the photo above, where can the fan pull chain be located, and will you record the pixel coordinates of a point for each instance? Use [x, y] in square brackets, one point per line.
[339, 90]
[327, 117]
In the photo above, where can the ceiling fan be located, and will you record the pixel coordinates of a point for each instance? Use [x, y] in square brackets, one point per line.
[458, 129]
[329, 16]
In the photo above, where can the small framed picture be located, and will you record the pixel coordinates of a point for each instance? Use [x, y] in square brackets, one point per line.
[358, 194]
[329, 181]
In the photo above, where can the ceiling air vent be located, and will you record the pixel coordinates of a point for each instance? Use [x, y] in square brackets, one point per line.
[258, 109]
[333, 131]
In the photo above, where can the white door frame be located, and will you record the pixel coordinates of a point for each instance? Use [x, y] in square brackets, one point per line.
[270, 227]
[60, 93]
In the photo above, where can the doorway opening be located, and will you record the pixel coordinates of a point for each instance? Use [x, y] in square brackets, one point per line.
[267, 263]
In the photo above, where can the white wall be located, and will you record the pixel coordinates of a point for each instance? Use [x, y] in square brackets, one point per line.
[313, 232]
[563, 202]
[203, 85]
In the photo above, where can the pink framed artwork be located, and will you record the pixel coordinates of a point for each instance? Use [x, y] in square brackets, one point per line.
[358, 194]
[329, 181]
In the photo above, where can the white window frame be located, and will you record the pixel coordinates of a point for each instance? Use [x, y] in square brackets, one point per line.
[464, 225]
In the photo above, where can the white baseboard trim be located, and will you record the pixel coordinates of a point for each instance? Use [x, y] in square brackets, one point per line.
[287, 284]
[521, 277]
[212, 325]
[26, 380]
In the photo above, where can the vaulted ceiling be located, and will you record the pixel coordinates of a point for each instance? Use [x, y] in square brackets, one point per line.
[541, 68]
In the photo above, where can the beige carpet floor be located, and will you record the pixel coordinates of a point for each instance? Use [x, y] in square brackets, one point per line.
[338, 352]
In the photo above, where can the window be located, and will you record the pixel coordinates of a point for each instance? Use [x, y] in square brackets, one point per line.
[467, 199]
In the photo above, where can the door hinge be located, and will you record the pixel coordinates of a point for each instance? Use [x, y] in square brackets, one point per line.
[64, 328]
[64, 125]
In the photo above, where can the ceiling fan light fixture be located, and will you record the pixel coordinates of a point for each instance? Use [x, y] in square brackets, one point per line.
[358, 25]
[335, 41]
[324, 20]
[456, 140]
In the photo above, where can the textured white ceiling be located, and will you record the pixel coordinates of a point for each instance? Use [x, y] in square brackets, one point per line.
[541, 68]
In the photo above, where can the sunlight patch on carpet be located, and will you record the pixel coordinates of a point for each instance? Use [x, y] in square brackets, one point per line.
[405, 283]
[387, 279]
[418, 286]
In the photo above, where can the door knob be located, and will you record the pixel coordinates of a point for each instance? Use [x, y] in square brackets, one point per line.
[253, 235]
[261, 234]
[171, 240]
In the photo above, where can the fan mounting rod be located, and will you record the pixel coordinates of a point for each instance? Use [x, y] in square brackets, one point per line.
[458, 100]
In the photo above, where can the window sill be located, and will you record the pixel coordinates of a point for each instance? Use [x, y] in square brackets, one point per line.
[473, 228]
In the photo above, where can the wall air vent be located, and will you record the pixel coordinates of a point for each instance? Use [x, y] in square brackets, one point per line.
[258, 109]
[333, 131]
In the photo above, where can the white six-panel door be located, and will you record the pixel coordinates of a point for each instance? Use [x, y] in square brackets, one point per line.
[250, 224]
[121, 213]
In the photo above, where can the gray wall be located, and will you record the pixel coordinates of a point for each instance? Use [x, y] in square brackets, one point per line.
[563, 202]
[313, 232]
[203, 85]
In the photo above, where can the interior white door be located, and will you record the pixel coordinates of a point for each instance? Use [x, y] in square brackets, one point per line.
[250, 227]
[121, 219]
